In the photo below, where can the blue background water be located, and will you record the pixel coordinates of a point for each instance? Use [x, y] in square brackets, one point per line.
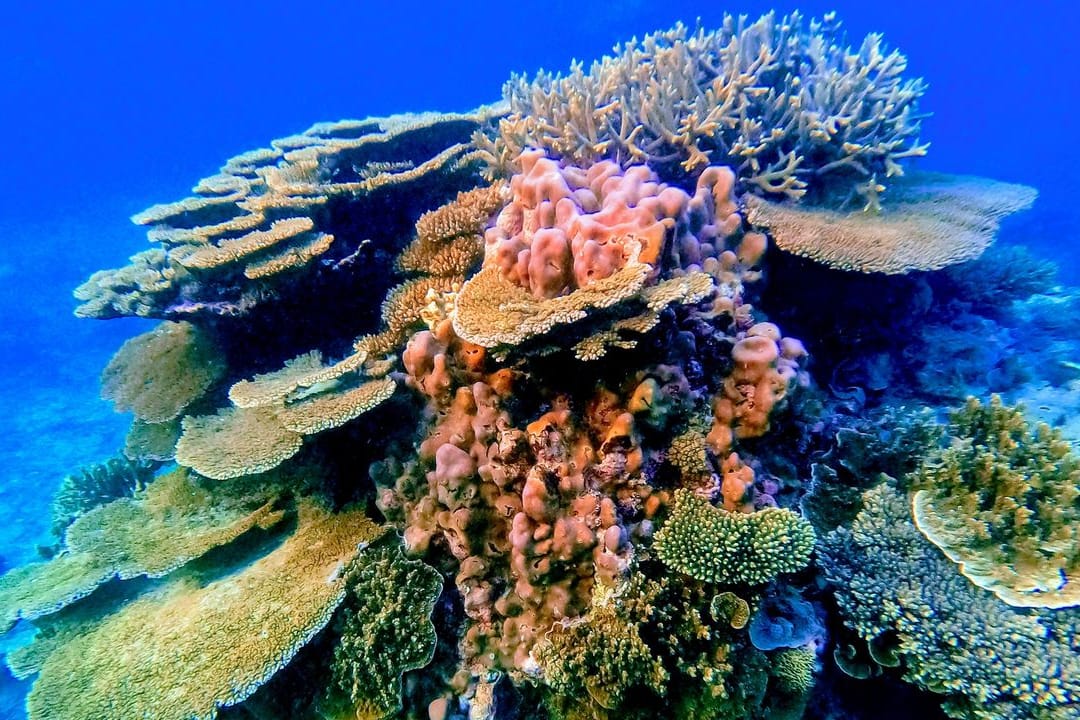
[106, 108]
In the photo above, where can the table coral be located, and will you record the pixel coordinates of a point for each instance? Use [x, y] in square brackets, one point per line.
[927, 221]
[228, 635]
[155, 531]
[1003, 502]
[241, 240]
[158, 374]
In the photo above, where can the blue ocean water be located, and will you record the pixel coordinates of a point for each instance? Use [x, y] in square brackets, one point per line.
[111, 107]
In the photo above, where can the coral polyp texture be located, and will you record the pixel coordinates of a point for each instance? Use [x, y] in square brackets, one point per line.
[991, 661]
[1003, 502]
[516, 414]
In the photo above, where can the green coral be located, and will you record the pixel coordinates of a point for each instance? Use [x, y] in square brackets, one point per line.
[793, 669]
[1003, 502]
[386, 628]
[995, 662]
[713, 545]
[602, 655]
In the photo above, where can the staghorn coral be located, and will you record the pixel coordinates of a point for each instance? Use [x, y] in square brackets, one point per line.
[385, 628]
[717, 546]
[787, 105]
[1003, 502]
[158, 374]
[157, 530]
[929, 221]
[992, 661]
[229, 635]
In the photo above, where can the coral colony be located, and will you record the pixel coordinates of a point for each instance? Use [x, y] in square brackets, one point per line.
[599, 402]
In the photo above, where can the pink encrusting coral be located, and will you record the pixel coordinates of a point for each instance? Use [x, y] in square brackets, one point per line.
[566, 227]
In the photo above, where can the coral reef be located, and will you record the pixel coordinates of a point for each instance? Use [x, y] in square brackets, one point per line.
[229, 635]
[1003, 502]
[152, 533]
[540, 411]
[928, 221]
[729, 548]
[96, 485]
[385, 628]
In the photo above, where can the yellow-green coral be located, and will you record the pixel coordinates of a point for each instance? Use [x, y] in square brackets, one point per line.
[385, 629]
[152, 533]
[236, 442]
[1003, 502]
[190, 648]
[793, 669]
[992, 661]
[714, 545]
[601, 657]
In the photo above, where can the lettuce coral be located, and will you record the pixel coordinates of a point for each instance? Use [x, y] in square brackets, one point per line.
[1003, 502]
[718, 546]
